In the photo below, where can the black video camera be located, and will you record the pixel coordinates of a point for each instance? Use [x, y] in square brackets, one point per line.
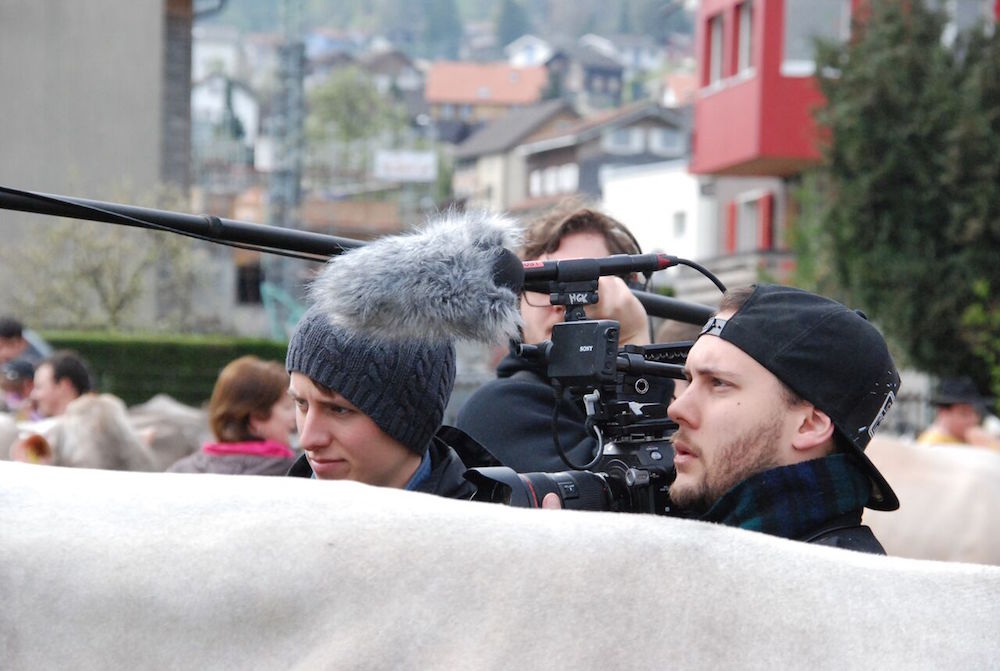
[626, 392]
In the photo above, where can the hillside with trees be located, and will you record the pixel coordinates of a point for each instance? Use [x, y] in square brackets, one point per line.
[434, 27]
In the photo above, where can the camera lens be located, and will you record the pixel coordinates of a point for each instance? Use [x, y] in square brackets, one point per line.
[577, 490]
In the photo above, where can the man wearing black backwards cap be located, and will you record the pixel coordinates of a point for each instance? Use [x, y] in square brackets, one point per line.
[368, 410]
[960, 410]
[785, 390]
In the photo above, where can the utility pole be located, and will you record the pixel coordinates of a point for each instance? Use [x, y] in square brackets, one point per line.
[287, 121]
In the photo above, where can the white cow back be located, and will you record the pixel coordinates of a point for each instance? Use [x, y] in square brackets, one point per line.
[113, 570]
[8, 434]
[172, 429]
[949, 501]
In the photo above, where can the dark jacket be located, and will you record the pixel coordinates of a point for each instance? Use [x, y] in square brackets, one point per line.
[512, 418]
[848, 533]
[446, 477]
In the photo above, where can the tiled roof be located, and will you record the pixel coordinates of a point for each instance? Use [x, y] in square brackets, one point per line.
[508, 130]
[484, 83]
[601, 119]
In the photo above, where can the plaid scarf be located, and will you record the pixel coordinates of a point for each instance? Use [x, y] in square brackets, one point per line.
[792, 501]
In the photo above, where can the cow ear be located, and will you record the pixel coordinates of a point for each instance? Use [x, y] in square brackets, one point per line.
[815, 430]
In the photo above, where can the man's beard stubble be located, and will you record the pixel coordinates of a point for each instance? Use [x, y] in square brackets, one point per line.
[755, 451]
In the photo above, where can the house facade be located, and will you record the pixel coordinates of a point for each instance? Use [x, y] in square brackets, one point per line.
[489, 171]
[589, 78]
[753, 116]
[571, 161]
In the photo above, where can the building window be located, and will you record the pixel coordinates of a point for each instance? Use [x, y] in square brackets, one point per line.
[447, 111]
[680, 224]
[569, 178]
[550, 181]
[623, 141]
[666, 141]
[248, 279]
[805, 22]
[535, 183]
[753, 223]
[744, 39]
[963, 15]
[746, 226]
[714, 32]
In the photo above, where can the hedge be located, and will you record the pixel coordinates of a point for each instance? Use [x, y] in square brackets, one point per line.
[137, 367]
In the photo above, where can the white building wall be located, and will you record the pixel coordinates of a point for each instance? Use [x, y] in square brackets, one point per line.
[215, 49]
[660, 204]
[490, 182]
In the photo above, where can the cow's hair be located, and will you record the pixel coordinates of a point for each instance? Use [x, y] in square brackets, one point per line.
[107, 570]
[171, 429]
[949, 501]
[8, 434]
[95, 432]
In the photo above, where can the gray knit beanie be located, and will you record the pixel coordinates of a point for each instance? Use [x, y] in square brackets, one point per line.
[403, 386]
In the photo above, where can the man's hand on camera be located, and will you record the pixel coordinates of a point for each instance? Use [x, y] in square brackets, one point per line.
[616, 301]
[551, 500]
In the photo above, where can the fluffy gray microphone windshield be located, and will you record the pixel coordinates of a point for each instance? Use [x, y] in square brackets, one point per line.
[432, 284]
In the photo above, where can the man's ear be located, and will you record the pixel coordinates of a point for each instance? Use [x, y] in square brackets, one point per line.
[814, 430]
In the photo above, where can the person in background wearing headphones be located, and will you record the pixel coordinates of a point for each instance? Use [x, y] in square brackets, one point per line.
[511, 416]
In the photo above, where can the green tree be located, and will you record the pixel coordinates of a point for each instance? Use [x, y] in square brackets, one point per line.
[512, 22]
[89, 275]
[907, 203]
[348, 110]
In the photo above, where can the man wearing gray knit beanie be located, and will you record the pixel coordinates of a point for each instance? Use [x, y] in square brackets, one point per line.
[368, 409]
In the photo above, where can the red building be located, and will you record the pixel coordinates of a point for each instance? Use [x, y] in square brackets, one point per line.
[753, 113]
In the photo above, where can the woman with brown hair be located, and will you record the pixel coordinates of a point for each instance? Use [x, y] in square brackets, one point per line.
[252, 417]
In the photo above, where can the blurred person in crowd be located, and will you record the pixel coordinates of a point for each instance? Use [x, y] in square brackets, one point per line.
[14, 344]
[511, 416]
[959, 413]
[17, 378]
[252, 418]
[59, 379]
[370, 410]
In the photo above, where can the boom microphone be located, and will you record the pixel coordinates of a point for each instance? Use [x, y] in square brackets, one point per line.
[573, 270]
[455, 278]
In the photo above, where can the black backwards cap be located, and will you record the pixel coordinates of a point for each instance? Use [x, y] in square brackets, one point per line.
[829, 355]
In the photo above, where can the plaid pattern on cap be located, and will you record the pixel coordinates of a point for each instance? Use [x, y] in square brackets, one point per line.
[826, 353]
[403, 386]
